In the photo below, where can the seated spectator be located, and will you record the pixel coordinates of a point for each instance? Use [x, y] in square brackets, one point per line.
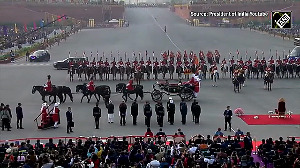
[149, 133]
[160, 133]
[179, 132]
[219, 133]
[239, 132]
[203, 145]
[50, 144]
[154, 163]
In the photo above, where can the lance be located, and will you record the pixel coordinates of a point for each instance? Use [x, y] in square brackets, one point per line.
[276, 54]
[118, 55]
[270, 52]
[103, 55]
[110, 55]
[139, 55]
[262, 54]
[97, 55]
[125, 56]
[75, 53]
[237, 54]
[246, 54]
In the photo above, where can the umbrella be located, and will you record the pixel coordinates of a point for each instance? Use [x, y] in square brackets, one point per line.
[239, 111]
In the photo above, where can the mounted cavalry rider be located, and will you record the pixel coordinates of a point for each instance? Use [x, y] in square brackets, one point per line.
[106, 63]
[135, 63]
[285, 60]
[148, 63]
[128, 63]
[155, 63]
[90, 86]
[129, 85]
[142, 62]
[232, 61]
[263, 61]
[100, 62]
[224, 61]
[120, 63]
[179, 63]
[195, 85]
[249, 62]
[271, 61]
[241, 62]
[48, 85]
[114, 63]
[279, 61]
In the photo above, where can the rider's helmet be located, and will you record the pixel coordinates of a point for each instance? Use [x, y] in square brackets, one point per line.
[49, 77]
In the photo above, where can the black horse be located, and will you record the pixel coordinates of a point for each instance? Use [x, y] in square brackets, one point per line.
[171, 71]
[100, 91]
[114, 70]
[86, 93]
[43, 93]
[64, 91]
[179, 71]
[138, 91]
[236, 84]
[268, 80]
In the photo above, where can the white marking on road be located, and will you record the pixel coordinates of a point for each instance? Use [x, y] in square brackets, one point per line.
[163, 31]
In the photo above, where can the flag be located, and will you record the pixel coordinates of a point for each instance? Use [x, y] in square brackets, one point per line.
[16, 29]
[4, 30]
[25, 28]
[34, 25]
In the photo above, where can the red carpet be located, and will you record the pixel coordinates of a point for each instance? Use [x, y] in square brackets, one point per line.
[265, 120]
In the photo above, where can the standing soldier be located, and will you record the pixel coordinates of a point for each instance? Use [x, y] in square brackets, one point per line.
[147, 113]
[19, 112]
[97, 115]
[196, 109]
[110, 112]
[160, 112]
[192, 106]
[55, 115]
[183, 111]
[122, 110]
[228, 115]
[70, 122]
[171, 110]
[134, 111]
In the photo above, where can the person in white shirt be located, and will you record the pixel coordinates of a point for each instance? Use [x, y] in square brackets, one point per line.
[154, 163]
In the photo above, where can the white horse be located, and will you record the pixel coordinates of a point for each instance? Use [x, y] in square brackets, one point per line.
[224, 70]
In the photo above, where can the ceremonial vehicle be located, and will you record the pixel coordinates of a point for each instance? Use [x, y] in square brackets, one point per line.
[39, 55]
[184, 91]
[64, 64]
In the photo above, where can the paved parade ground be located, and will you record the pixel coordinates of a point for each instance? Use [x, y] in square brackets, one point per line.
[146, 33]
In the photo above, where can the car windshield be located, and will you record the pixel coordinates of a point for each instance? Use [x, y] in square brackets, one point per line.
[295, 52]
[38, 53]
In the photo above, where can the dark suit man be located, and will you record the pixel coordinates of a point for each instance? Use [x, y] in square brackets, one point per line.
[147, 113]
[122, 109]
[19, 112]
[134, 111]
[183, 111]
[196, 110]
[97, 115]
[194, 103]
[69, 120]
[160, 112]
[228, 115]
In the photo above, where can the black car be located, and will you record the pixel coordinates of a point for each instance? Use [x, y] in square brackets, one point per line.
[39, 55]
[64, 64]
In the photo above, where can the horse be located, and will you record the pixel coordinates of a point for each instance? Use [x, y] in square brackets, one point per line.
[106, 72]
[171, 71]
[71, 72]
[138, 91]
[290, 70]
[64, 91]
[128, 70]
[79, 72]
[138, 76]
[179, 71]
[214, 77]
[114, 70]
[148, 71]
[232, 68]
[43, 93]
[268, 80]
[278, 70]
[86, 93]
[298, 71]
[164, 70]
[236, 84]
[104, 92]
[122, 72]
[224, 70]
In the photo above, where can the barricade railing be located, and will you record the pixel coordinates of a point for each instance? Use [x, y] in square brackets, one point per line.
[129, 138]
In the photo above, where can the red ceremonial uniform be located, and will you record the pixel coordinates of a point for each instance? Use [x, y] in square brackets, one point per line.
[155, 63]
[241, 62]
[128, 63]
[171, 62]
[298, 61]
[263, 61]
[278, 61]
[142, 62]
[224, 62]
[271, 61]
[138, 68]
[100, 63]
[86, 63]
[186, 63]
[179, 63]
[194, 83]
[148, 62]
[291, 61]
[249, 62]
[245, 67]
[44, 116]
[55, 115]
[91, 86]
[120, 63]
[163, 63]
[106, 63]
[48, 87]
[232, 61]
[135, 63]
[257, 61]
[285, 61]
[113, 63]
[129, 86]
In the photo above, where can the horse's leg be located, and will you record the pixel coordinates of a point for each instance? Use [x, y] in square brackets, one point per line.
[81, 98]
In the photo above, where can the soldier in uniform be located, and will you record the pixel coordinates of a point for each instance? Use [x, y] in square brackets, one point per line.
[249, 62]
[160, 112]
[232, 61]
[120, 63]
[100, 62]
[171, 111]
[224, 61]
[278, 61]
[48, 85]
[114, 63]
[106, 63]
[90, 86]
[271, 61]
[156, 68]
[241, 62]
[263, 61]
[135, 63]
